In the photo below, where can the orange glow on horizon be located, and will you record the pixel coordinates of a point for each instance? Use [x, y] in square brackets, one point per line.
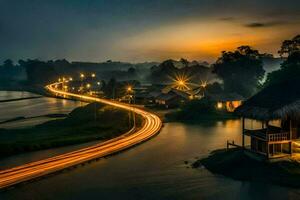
[195, 40]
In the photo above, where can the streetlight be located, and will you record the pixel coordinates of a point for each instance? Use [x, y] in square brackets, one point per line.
[66, 88]
[70, 79]
[203, 85]
[129, 89]
[131, 97]
[181, 83]
[81, 79]
[93, 75]
[88, 85]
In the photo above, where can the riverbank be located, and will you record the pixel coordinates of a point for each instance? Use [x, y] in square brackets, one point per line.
[235, 164]
[185, 117]
[198, 111]
[20, 99]
[21, 118]
[92, 122]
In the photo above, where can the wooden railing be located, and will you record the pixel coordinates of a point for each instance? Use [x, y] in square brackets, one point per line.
[274, 137]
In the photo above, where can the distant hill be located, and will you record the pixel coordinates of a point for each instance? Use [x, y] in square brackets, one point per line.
[110, 65]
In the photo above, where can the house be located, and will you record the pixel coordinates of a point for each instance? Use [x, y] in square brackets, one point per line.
[276, 103]
[226, 101]
[171, 98]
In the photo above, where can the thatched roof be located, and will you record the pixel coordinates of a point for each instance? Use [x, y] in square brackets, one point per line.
[172, 94]
[276, 101]
[223, 97]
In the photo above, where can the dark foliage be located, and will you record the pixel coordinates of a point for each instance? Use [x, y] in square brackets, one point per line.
[167, 71]
[288, 47]
[114, 89]
[290, 69]
[198, 110]
[240, 70]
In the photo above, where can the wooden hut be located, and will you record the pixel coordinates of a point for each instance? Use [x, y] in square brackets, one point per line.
[171, 98]
[226, 101]
[279, 102]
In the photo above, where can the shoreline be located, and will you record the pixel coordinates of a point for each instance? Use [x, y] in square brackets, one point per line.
[65, 130]
[20, 118]
[235, 164]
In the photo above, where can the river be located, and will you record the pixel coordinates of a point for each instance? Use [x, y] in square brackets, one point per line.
[31, 107]
[155, 169]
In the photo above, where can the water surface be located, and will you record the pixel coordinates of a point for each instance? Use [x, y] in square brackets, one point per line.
[155, 170]
[33, 107]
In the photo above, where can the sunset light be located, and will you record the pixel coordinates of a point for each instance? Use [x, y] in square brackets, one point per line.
[150, 99]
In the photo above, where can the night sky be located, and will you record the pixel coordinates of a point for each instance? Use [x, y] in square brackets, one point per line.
[142, 30]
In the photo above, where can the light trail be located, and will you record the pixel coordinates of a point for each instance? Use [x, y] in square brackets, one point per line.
[151, 126]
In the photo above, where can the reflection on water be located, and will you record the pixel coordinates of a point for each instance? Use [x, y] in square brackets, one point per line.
[33, 107]
[155, 170]
[15, 94]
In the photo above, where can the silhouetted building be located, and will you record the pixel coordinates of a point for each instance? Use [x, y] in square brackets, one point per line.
[281, 103]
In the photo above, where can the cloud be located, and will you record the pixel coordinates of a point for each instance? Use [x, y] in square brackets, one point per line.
[263, 24]
[227, 19]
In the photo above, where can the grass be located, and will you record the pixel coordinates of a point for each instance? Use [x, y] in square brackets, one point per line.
[234, 163]
[83, 124]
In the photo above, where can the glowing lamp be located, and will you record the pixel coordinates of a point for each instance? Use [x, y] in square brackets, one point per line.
[219, 105]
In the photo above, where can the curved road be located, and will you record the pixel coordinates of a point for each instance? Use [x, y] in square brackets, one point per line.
[152, 125]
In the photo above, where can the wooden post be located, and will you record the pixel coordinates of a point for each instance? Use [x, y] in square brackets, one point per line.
[267, 149]
[291, 129]
[291, 137]
[243, 130]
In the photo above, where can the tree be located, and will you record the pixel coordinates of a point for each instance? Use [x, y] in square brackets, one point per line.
[289, 69]
[290, 46]
[162, 72]
[8, 63]
[110, 88]
[241, 70]
[214, 88]
[185, 62]
[39, 72]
